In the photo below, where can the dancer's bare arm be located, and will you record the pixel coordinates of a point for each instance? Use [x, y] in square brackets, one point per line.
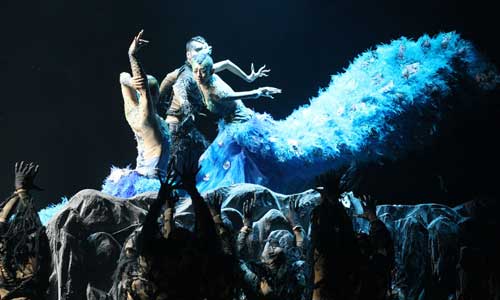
[267, 92]
[139, 78]
[168, 82]
[233, 68]
[219, 90]
[225, 236]
[129, 94]
[171, 77]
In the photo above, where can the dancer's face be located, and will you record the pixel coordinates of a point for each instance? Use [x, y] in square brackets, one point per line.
[202, 72]
[272, 255]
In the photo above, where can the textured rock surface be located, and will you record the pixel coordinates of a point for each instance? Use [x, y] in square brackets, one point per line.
[86, 236]
[74, 241]
[425, 240]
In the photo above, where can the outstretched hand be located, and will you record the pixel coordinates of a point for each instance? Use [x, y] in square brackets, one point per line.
[262, 72]
[268, 92]
[169, 183]
[248, 206]
[369, 208]
[294, 212]
[215, 204]
[137, 43]
[25, 174]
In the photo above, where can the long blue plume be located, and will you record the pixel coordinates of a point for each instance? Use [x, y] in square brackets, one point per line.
[385, 103]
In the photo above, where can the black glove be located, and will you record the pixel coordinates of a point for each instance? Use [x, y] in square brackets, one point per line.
[24, 175]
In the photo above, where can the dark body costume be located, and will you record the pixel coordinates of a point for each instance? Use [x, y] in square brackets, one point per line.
[173, 262]
[24, 251]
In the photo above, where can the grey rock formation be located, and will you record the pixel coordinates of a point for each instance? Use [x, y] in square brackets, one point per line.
[87, 235]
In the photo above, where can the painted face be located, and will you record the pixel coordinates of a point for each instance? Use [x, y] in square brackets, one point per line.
[198, 48]
[202, 73]
[272, 255]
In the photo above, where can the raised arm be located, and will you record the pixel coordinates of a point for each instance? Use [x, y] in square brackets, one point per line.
[129, 95]
[225, 236]
[294, 219]
[150, 226]
[251, 281]
[24, 176]
[233, 68]
[379, 234]
[139, 79]
[133, 51]
[242, 241]
[204, 226]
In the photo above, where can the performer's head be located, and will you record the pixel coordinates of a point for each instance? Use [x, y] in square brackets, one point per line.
[197, 45]
[203, 70]
[279, 249]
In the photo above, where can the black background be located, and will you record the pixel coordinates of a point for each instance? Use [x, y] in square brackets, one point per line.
[60, 60]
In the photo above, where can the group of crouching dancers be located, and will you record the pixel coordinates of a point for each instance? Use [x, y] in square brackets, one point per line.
[320, 258]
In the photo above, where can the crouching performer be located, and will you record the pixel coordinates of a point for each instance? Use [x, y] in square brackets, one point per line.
[24, 250]
[281, 271]
[140, 95]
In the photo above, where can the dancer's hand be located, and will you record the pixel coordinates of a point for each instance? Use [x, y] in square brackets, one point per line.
[215, 204]
[248, 206]
[262, 72]
[139, 83]
[369, 208]
[137, 44]
[25, 175]
[268, 92]
[293, 212]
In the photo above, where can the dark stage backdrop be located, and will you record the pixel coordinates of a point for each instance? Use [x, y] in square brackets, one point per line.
[60, 60]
